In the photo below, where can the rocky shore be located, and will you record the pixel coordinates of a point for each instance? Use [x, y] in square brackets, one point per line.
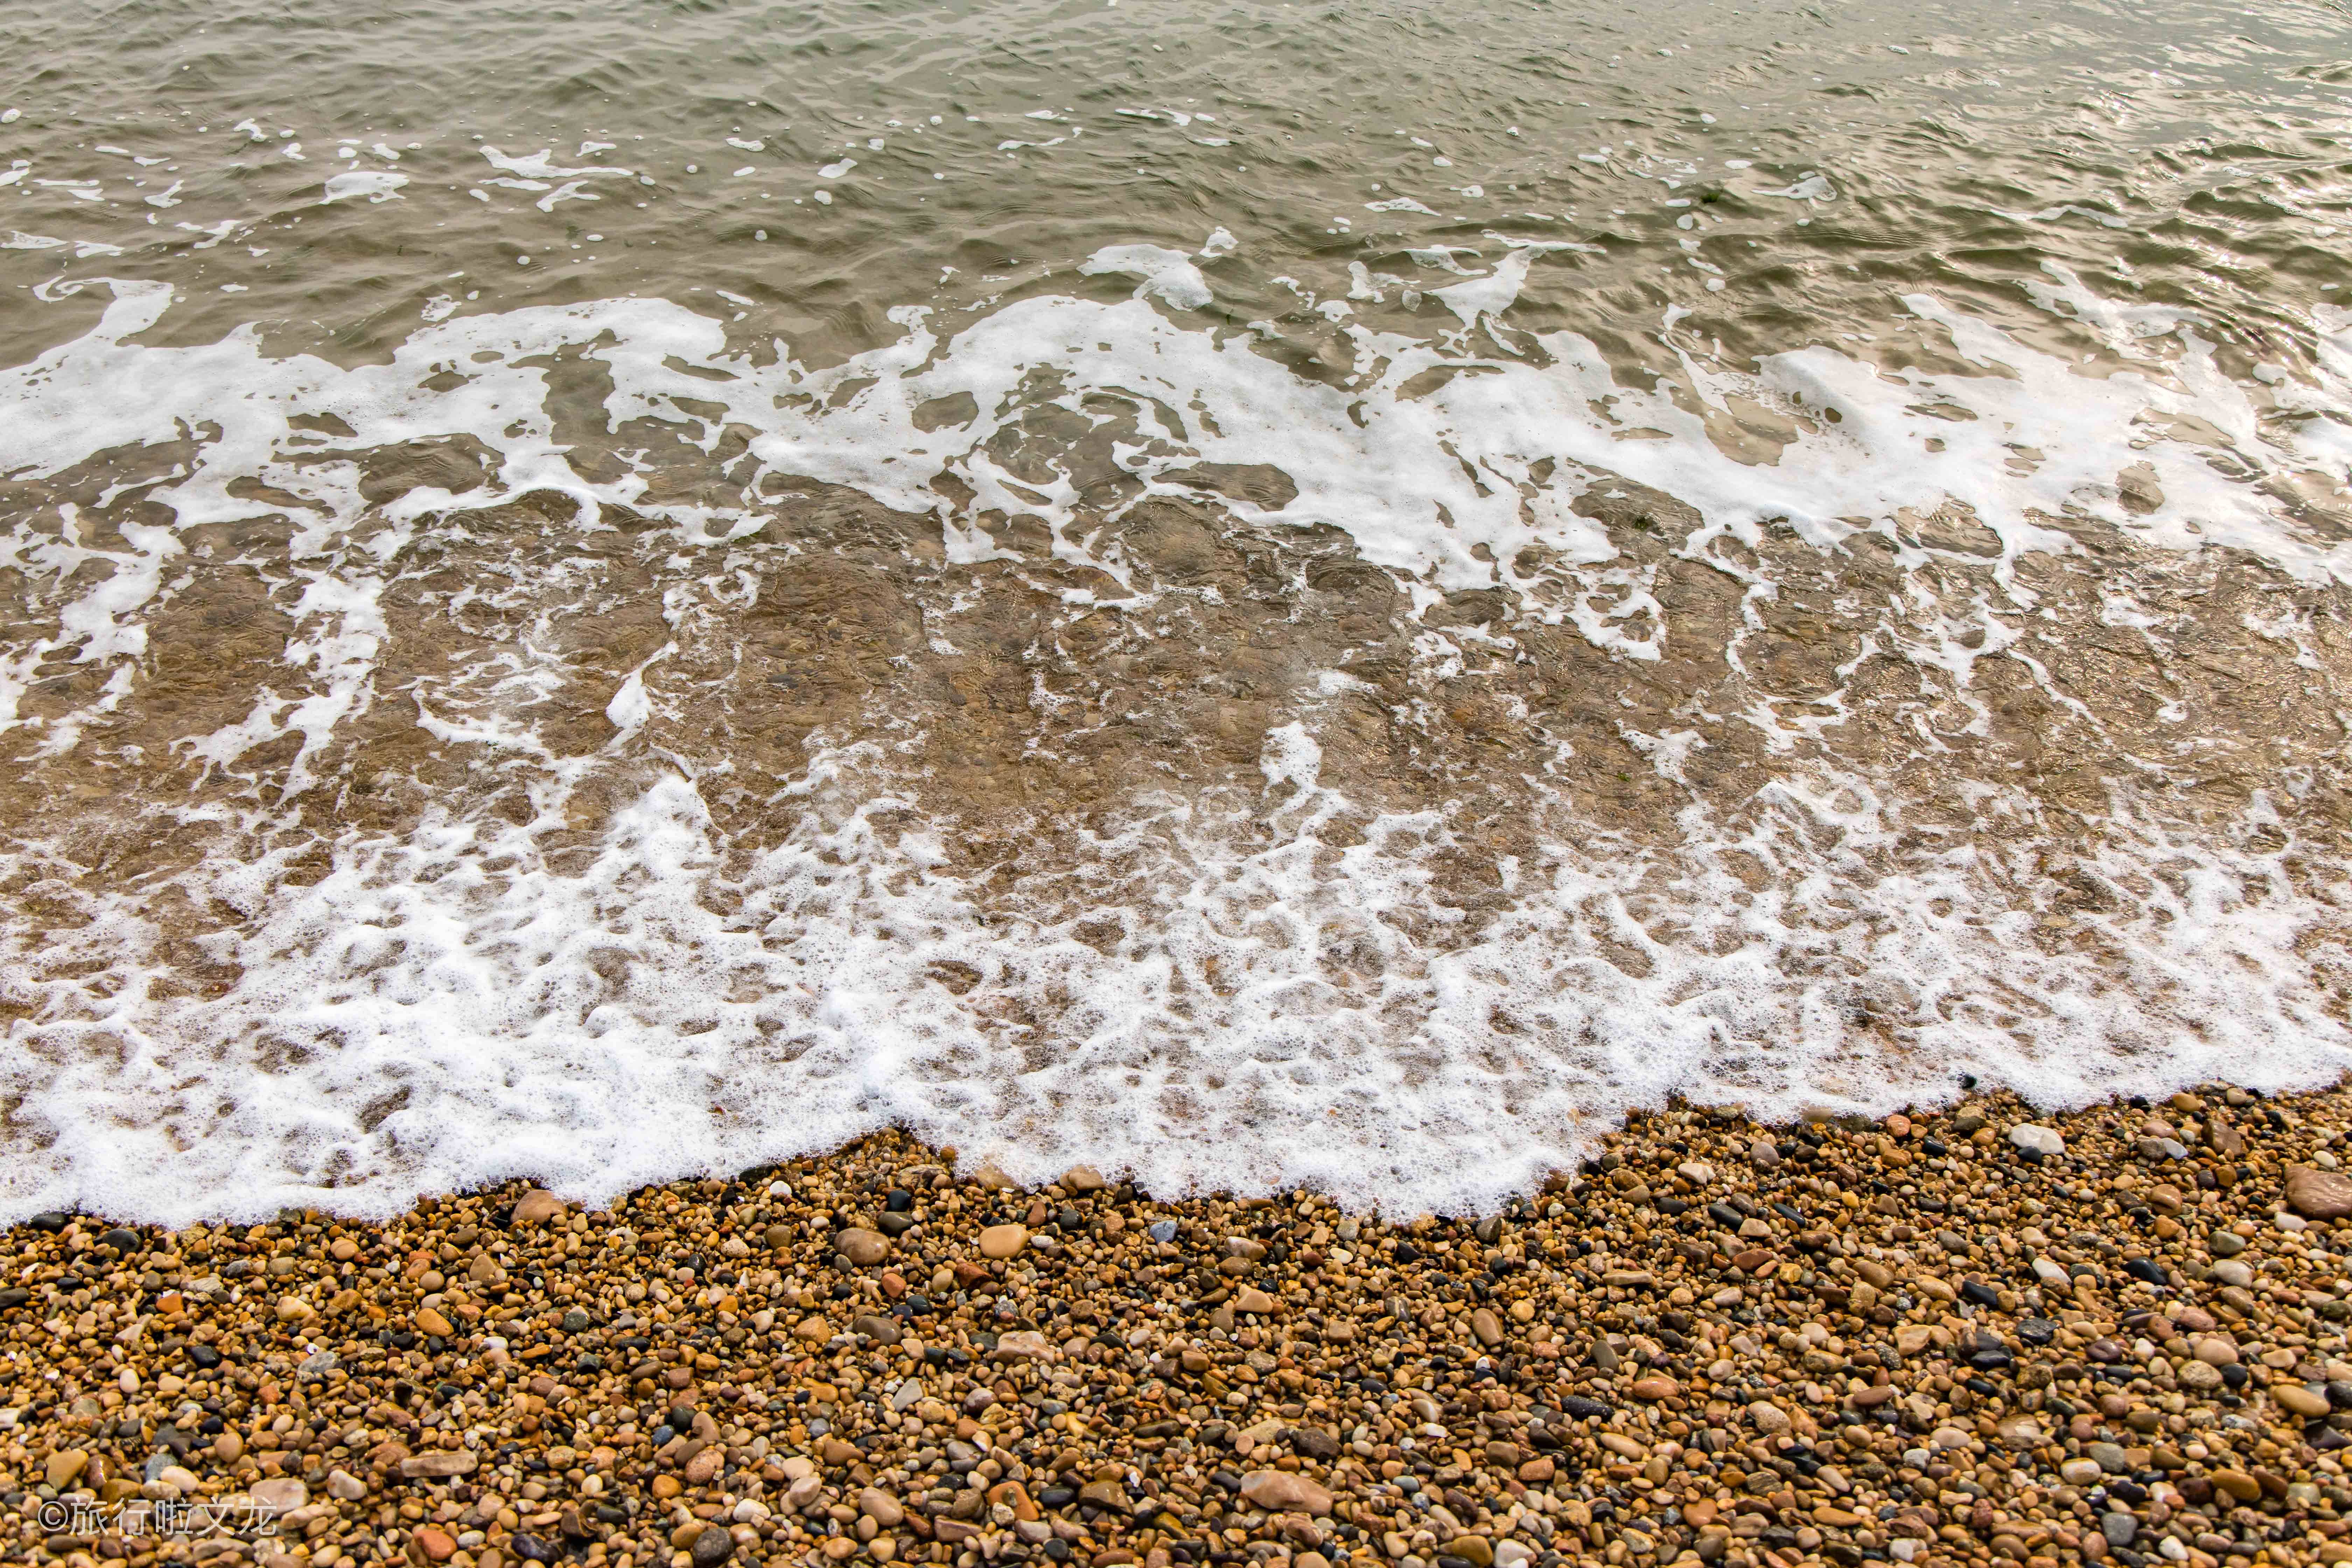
[1973, 1336]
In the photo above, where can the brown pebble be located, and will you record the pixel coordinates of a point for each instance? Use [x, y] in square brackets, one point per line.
[1285, 1491]
[2319, 1195]
[861, 1247]
[2293, 1398]
[2238, 1484]
[537, 1207]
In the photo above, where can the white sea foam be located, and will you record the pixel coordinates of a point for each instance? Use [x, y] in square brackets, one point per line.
[445, 1007]
[1167, 274]
[374, 184]
[1424, 482]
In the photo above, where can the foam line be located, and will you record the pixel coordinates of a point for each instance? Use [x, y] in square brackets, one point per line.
[444, 1007]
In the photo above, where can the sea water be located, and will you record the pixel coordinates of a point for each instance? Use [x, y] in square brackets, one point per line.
[1326, 596]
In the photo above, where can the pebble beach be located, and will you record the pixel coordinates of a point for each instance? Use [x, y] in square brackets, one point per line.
[1028, 784]
[1978, 1335]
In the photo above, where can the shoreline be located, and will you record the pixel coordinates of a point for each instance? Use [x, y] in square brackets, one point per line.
[1973, 1335]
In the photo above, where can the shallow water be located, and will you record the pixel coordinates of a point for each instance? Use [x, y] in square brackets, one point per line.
[1307, 595]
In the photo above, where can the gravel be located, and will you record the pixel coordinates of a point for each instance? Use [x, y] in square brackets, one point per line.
[1923, 1340]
